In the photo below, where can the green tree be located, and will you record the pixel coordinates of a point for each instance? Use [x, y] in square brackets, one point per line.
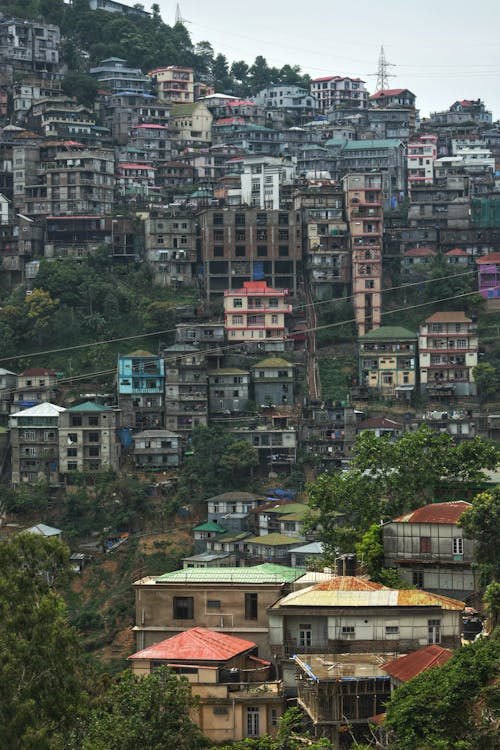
[220, 70]
[41, 689]
[486, 378]
[370, 550]
[260, 74]
[481, 522]
[82, 86]
[291, 735]
[149, 712]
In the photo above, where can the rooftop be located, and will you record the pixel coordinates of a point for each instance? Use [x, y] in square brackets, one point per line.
[196, 645]
[273, 540]
[381, 423]
[272, 362]
[436, 513]
[448, 317]
[258, 574]
[339, 666]
[411, 665]
[388, 333]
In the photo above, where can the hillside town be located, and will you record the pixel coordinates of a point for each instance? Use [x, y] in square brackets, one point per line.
[323, 265]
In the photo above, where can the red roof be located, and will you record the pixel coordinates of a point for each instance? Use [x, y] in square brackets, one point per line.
[459, 251]
[241, 103]
[380, 422]
[196, 645]
[436, 513]
[133, 165]
[151, 126]
[491, 258]
[38, 371]
[448, 317]
[230, 121]
[255, 287]
[413, 664]
[419, 252]
[388, 92]
[348, 583]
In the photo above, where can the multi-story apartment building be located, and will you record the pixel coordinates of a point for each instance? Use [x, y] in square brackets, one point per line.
[249, 243]
[123, 111]
[273, 382]
[332, 91]
[388, 361]
[61, 117]
[329, 432]
[35, 385]
[141, 390]
[395, 99]
[114, 76]
[386, 156]
[157, 450]
[448, 352]
[88, 438]
[171, 246]
[228, 389]
[29, 90]
[173, 84]
[247, 137]
[282, 96]
[35, 443]
[422, 153]
[191, 123]
[363, 198]
[262, 178]
[276, 446]
[325, 239]
[30, 46]
[255, 315]
[8, 381]
[445, 204]
[186, 391]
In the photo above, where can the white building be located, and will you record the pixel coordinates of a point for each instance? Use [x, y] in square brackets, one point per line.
[282, 96]
[331, 91]
[262, 178]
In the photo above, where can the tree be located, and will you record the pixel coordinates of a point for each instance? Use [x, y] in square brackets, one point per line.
[41, 689]
[149, 712]
[481, 522]
[260, 73]
[486, 379]
[291, 735]
[220, 71]
[370, 550]
[82, 86]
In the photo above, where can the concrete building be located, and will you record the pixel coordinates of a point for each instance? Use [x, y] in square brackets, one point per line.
[247, 136]
[386, 156]
[222, 507]
[31, 88]
[261, 181]
[27, 45]
[329, 432]
[363, 200]
[448, 352]
[35, 444]
[141, 390]
[186, 389]
[157, 450]
[255, 315]
[248, 243]
[273, 382]
[422, 153]
[173, 84]
[114, 75]
[171, 246]
[123, 111]
[228, 390]
[61, 117]
[333, 91]
[276, 446]
[488, 268]
[88, 439]
[388, 361]
[238, 693]
[191, 123]
[430, 551]
[291, 98]
[226, 600]
[35, 385]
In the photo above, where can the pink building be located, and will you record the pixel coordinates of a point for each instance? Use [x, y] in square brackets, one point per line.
[256, 313]
[488, 268]
[422, 153]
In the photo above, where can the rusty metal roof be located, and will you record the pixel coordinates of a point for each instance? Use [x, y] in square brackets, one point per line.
[436, 513]
[196, 645]
[411, 665]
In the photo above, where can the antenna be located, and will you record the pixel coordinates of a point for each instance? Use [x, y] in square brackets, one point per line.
[382, 73]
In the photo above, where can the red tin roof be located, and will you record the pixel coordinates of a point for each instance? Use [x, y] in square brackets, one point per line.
[38, 371]
[491, 258]
[419, 252]
[387, 92]
[196, 645]
[413, 664]
[436, 513]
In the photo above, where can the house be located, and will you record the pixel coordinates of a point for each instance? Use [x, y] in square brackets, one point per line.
[8, 382]
[381, 426]
[448, 353]
[226, 599]
[388, 361]
[239, 693]
[430, 550]
[488, 269]
[407, 667]
[273, 547]
[273, 381]
[141, 389]
[157, 450]
[393, 97]
[329, 431]
[276, 446]
[34, 386]
[173, 84]
[457, 257]
[171, 247]
[255, 315]
[223, 507]
[339, 91]
[283, 96]
[115, 76]
[191, 123]
[349, 614]
[41, 529]
[417, 259]
[306, 554]
[204, 532]
[35, 444]
[228, 390]
[422, 153]
[186, 392]
[88, 438]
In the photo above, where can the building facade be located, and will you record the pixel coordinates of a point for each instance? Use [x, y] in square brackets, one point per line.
[448, 352]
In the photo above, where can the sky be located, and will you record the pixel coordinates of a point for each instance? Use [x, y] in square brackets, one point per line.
[442, 50]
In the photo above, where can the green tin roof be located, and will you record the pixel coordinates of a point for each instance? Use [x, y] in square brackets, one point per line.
[272, 362]
[210, 526]
[388, 333]
[275, 540]
[265, 573]
[286, 508]
[89, 406]
[375, 143]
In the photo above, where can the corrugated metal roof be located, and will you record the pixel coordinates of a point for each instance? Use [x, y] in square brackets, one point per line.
[411, 665]
[41, 410]
[436, 513]
[210, 526]
[388, 333]
[197, 644]
[448, 317]
[265, 573]
[274, 540]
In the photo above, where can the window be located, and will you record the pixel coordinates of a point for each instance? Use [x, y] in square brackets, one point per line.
[220, 710]
[251, 608]
[218, 251]
[76, 420]
[72, 452]
[72, 466]
[458, 546]
[392, 629]
[218, 219]
[72, 437]
[183, 608]
[93, 421]
[434, 631]
[238, 320]
[261, 251]
[283, 251]
[213, 603]
[425, 545]
[93, 451]
[239, 220]
[93, 437]
[348, 631]
[240, 251]
[237, 302]
[253, 729]
[418, 579]
[218, 235]
[305, 635]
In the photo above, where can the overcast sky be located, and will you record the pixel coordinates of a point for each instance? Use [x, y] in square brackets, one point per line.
[442, 50]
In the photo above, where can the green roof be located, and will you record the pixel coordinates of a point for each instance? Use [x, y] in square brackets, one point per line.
[275, 540]
[228, 371]
[233, 536]
[287, 508]
[181, 110]
[89, 406]
[312, 147]
[210, 526]
[376, 143]
[336, 142]
[265, 573]
[272, 362]
[388, 333]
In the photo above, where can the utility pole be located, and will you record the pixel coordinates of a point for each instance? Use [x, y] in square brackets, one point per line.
[383, 74]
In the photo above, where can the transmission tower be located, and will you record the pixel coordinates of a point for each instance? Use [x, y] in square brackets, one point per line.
[383, 74]
[178, 16]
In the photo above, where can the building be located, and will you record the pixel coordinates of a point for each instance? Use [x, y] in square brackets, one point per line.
[255, 315]
[115, 76]
[418, 261]
[226, 600]
[228, 390]
[88, 438]
[186, 389]
[262, 179]
[171, 247]
[35, 444]
[173, 84]
[141, 390]
[35, 385]
[363, 196]
[387, 98]
[157, 450]
[422, 153]
[27, 45]
[430, 550]
[407, 667]
[488, 270]
[329, 432]
[223, 507]
[275, 547]
[276, 445]
[191, 123]
[113, 6]
[273, 382]
[388, 361]
[239, 693]
[61, 117]
[386, 156]
[448, 352]
[381, 427]
[294, 99]
[332, 92]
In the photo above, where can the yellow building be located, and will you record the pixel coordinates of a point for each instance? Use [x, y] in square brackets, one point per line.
[174, 84]
[191, 122]
[387, 361]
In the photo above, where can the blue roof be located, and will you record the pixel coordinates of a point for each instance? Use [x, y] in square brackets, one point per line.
[134, 93]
